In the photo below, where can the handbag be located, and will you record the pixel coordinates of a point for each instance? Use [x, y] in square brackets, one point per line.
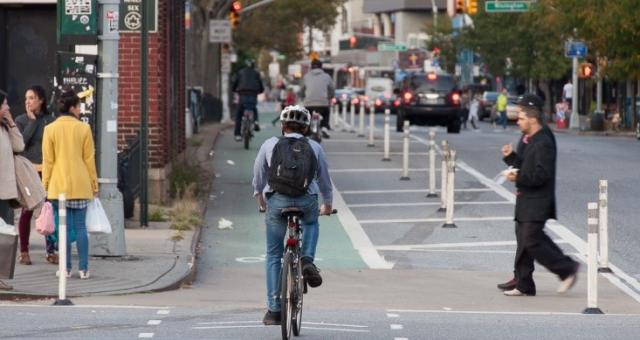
[97, 221]
[8, 249]
[45, 224]
[30, 190]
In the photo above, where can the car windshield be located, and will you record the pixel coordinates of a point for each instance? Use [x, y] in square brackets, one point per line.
[440, 83]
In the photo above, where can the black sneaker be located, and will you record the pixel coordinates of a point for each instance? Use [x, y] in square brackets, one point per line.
[256, 127]
[312, 274]
[271, 318]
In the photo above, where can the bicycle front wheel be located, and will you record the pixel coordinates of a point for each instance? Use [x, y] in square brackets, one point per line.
[286, 293]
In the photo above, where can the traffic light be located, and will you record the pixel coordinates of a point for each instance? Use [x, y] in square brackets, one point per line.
[472, 7]
[586, 70]
[234, 14]
[353, 41]
[460, 8]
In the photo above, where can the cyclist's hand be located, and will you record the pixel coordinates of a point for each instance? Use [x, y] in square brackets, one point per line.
[326, 209]
[262, 204]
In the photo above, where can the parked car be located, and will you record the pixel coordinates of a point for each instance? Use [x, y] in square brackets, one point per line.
[486, 104]
[512, 108]
[430, 99]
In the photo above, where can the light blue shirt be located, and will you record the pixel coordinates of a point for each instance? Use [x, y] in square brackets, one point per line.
[321, 184]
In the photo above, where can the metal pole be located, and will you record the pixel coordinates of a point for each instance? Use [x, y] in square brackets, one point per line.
[575, 120]
[603, 226]
[352, 118]
[62, 251]
[144, 117]
[592, 260]
[405, 153]
[432, 165]
[443, 176]
[344, 115]
[372, 124]
[451, 170]
[387, 119]
[361, 127]
[109, 244]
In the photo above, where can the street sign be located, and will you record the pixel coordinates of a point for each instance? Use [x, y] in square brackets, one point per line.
[131, 16]
[576, 49]
[219, 31]
[225, 63]
[506, 6]
[390, 47]
[77, 18]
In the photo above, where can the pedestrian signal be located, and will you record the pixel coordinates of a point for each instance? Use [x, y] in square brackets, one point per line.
[585, 71]
[460, 8]
[472, 7]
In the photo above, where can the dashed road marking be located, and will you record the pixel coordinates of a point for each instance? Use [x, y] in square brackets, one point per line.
[145, 335]
[163, 312]
[396, 326]
[392, 315]
[154, 322]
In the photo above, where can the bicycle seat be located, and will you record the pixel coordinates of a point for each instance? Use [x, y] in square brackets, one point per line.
[293, 211]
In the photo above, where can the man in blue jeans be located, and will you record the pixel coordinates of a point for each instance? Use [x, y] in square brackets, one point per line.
[248, 85]
[295, 123]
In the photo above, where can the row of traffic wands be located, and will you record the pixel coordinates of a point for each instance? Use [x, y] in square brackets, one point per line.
[62, 253]
[597, 245]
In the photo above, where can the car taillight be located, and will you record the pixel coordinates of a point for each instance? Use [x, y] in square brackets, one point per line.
[355, 101]
[378, 102]
[455, 98]
[396, 102]
[407, 96]
[334, 100]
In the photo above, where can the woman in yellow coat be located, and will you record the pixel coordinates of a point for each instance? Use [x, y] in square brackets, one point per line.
[69, 167]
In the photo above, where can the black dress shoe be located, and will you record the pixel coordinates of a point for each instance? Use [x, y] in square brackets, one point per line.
[272, 318]
[509, 285]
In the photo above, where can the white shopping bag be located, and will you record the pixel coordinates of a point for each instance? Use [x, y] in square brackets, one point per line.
[97, 221]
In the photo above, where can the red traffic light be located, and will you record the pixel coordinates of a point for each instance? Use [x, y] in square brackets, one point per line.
[586, 70]
[236, 6]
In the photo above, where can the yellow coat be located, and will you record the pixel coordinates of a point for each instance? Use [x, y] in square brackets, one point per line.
[68, 159]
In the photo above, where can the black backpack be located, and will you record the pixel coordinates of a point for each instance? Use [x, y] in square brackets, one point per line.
[293, 166]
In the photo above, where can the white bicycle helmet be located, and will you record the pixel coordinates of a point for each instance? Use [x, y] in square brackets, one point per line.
[297, 114]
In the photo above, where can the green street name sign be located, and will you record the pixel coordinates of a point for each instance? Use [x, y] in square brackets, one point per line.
[389, 47]
[506, 6]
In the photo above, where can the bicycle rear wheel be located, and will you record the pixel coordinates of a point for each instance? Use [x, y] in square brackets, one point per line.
[246, 134]
[298, 294]
[286, 293]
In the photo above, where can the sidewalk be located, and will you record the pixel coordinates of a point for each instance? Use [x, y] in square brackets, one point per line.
[153, 262]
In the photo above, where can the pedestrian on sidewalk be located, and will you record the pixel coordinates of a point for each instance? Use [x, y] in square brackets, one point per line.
[501, 108]
[10, 142]
[31, 125]
[535, 161]
[69, 167]
[273, 193]
[248, 85]
[318, 89]
[567, 93]
[474, 106]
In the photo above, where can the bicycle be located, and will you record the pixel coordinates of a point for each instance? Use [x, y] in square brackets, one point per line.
[314, 127]
[292, 283]
[246, 129]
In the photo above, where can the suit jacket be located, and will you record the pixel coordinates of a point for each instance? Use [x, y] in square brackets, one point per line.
[536, 180]
[68, 155]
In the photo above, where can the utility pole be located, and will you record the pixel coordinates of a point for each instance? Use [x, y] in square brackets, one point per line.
[575, 120]
[109, 244]
[144, 116]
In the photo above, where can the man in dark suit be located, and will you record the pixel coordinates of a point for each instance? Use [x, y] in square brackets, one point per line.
[534, 174]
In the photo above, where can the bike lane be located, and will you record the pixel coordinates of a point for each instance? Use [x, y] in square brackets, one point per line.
[231, 199]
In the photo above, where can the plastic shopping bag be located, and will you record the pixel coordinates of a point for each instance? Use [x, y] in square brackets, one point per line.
[97, 221]
[45, 224]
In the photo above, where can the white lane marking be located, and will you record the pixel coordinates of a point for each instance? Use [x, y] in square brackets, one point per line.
[337, 329]
[419, 204]
[163, 312]
[228, 327]
[358, 237]
[154, 322]
[228, 322]
[145, 335]
[418, 220]
[400, 338]
[80, 306]
[437, 311]
[334, 324]
[453, 245]
[625, 280]
[401, 191]
[396, 326]
[377, 170]
[393, 315]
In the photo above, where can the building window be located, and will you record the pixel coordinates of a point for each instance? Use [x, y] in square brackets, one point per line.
[345, 21]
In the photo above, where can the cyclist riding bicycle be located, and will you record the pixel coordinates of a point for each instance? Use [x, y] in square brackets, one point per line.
[290, 171]
[248, 85]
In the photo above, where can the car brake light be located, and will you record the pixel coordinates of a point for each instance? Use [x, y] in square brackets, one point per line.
[455, 97]
[355, 101]
[333, 100]
[396, 102]
[408, 96]
[378, 102]
[432, 76]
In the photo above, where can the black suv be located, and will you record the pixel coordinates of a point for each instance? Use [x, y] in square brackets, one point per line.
[430, 99]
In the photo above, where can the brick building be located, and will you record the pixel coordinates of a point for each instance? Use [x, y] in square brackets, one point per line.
[166, 88]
